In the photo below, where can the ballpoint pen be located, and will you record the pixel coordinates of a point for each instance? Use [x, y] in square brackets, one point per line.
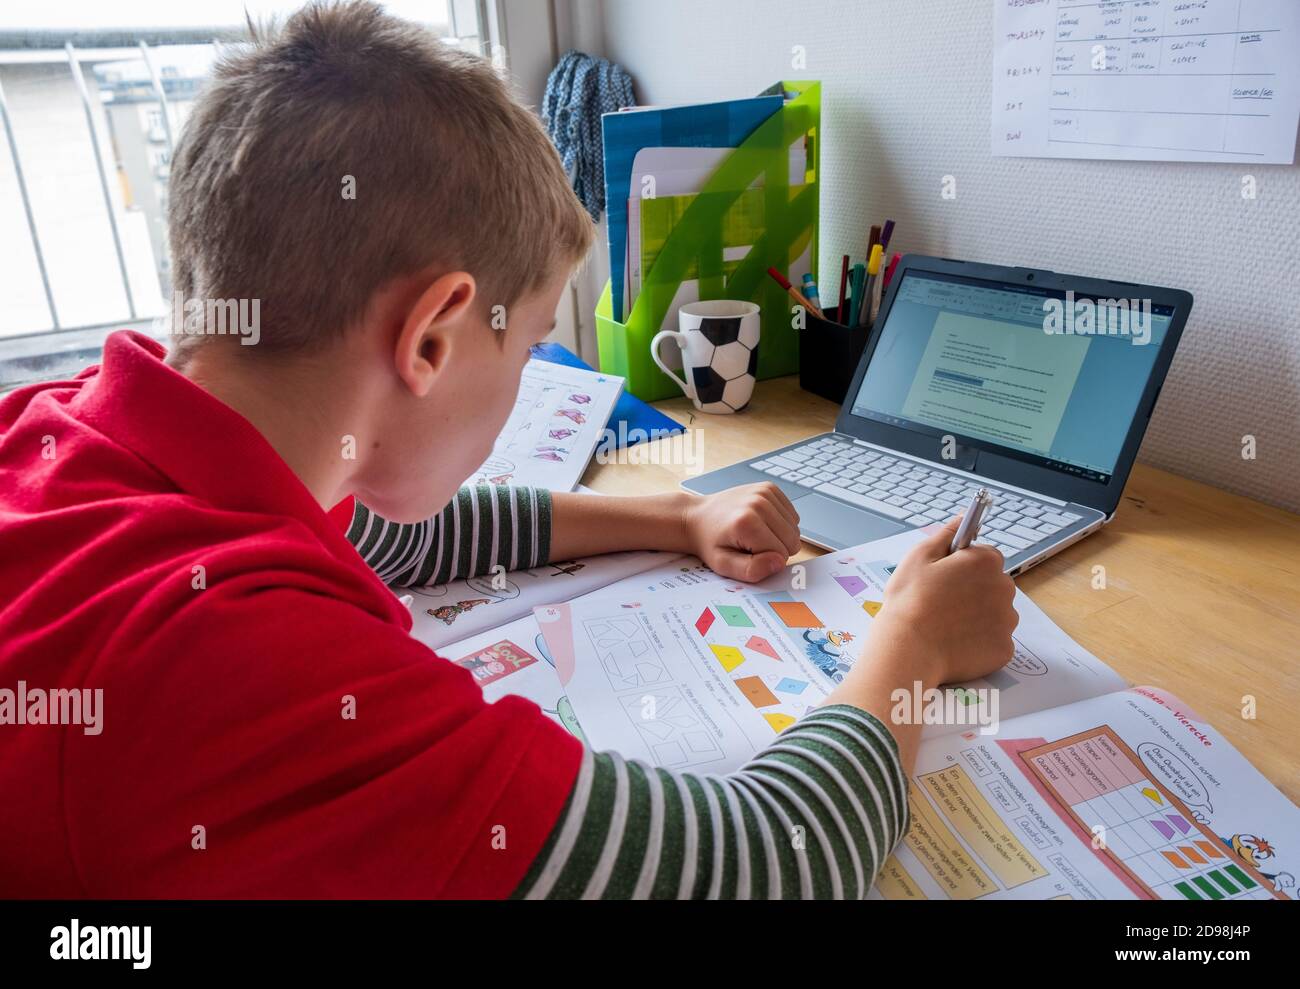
[970, 523]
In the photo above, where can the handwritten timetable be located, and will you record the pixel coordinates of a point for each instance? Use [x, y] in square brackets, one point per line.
[1165, 80]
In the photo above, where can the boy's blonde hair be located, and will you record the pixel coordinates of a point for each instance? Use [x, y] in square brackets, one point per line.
[448, 169]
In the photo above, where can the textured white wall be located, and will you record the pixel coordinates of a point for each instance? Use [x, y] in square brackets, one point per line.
[906, 100]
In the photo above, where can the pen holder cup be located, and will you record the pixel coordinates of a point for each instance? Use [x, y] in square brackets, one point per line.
[828, 355]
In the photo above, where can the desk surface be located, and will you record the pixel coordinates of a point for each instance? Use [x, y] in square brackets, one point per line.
[1202, 592]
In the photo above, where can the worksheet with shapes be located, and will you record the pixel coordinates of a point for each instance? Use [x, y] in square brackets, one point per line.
[1159, 80]
[736, 664]
[557, 422]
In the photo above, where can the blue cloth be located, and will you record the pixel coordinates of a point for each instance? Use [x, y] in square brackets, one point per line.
[579, 89]
[628, 410]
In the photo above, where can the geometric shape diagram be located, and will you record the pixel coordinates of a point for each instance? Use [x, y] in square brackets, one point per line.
[795, 614]
[1153, 796]
[729, 656]
[760, 645]
[674, 734]
[1179, 822]
[734, 616]
[625, 653]
[1164, 829]
[1191, 854]
[1210, 850]
[1207, 889]
[788, 685]
[853, 585]
[1175, 859]
[757, 692]
[872, 608]
[779, 722]
[704, 622]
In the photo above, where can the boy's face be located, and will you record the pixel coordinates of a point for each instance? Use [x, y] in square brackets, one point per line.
[430, 443]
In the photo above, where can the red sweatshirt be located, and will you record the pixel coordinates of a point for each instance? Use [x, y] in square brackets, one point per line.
[268, 726]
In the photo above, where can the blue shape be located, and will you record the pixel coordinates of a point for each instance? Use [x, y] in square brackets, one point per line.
[788, 686]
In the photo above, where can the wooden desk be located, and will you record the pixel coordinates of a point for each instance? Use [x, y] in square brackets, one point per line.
[1202, 591]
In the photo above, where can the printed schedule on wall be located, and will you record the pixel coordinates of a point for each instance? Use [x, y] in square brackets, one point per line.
[1162, 80]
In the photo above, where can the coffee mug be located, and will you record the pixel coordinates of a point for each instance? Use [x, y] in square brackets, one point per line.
[719, 345]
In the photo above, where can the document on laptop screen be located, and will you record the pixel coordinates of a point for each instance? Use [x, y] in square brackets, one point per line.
[1007, 382]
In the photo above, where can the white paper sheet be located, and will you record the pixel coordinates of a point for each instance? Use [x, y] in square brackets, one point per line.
[559, 415]
[1161, 80]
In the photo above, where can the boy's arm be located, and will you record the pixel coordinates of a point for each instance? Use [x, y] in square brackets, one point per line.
[814, 815]
[483, 526]
[747, 533]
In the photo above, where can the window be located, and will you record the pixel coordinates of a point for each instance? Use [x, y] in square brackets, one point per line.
[91, 110]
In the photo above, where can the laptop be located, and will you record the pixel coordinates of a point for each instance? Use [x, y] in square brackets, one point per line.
[1034, 385]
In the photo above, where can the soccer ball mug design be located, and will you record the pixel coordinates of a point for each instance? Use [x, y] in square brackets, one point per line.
[719, 345]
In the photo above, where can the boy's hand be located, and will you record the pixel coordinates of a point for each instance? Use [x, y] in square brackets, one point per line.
[952, 615]
[745, 533]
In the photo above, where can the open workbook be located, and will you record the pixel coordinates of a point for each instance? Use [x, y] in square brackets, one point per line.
[1052, 778]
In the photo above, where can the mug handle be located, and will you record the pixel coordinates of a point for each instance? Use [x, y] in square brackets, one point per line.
[680, 340]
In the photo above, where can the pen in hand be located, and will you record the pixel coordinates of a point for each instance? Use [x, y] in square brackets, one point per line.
[969, 529]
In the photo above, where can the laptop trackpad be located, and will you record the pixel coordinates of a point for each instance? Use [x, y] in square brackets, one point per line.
[833, 523]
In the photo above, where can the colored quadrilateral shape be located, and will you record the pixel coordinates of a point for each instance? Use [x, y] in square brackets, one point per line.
[729, 656]
[761, 645]
[757, 692]
[779, 722]
[734, 616]
[872, 608]
[795, 614]
[704, 622]
[852, 585]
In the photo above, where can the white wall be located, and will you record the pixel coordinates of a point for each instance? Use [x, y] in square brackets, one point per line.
[906, 100]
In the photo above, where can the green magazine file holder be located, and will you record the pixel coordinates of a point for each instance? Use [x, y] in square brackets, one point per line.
[694, 246]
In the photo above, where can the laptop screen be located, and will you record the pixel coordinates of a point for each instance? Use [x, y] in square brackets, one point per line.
[1036, 374]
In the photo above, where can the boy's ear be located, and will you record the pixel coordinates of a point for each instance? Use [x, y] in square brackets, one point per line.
[430, 327]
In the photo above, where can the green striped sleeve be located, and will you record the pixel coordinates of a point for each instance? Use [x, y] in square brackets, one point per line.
[814, 815]
[484, 526]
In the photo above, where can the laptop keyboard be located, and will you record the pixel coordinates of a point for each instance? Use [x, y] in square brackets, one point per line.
[912, 493]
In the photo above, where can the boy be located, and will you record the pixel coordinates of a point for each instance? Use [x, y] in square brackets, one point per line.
[268, 727]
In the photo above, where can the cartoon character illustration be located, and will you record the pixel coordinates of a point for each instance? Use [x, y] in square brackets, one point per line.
[825, 647]
[580, 398]
[448, 613]
[1255, 851]
[574, 415]
[560, 434]
[484, 669]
